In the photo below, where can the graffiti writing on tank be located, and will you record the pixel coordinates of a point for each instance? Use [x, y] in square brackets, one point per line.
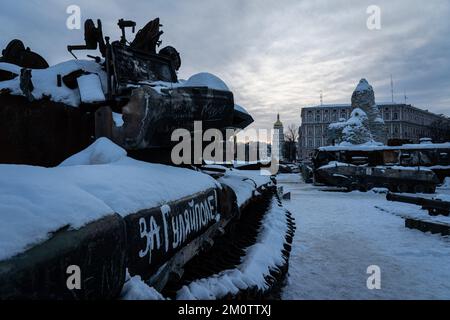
[151, 234]
[178, 225]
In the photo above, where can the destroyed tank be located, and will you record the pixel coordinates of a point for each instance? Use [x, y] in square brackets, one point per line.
[365, 167]
[89, 144]
[434, 156]
[130, 94]
[364, 178]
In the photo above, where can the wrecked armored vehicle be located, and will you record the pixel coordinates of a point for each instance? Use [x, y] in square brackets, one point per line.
[78, 143]
[433, 156]
[130, 94]
[407, 168]
[365, 178]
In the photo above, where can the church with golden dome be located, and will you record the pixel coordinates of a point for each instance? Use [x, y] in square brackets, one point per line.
[278, 139]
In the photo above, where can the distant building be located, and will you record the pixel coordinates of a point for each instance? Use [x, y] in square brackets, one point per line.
[278, 138]
[403, 121]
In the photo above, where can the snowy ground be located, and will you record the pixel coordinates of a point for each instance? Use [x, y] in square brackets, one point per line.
[340, 234]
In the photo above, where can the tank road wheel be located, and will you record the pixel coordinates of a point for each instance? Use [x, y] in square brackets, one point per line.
[403, 188]
[430, 189]
[419, 188]
[393, 187]
[362, 188]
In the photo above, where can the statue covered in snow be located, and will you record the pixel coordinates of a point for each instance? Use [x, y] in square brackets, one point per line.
[365, 124]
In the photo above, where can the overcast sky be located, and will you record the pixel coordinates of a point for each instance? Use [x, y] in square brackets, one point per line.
[276, 56]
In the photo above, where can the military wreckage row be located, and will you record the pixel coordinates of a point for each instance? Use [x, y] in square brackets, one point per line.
[413, 168]
[87, 181]
[409, 168]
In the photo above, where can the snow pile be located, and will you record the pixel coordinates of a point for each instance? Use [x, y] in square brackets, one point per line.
[244, 183]
[10, 68]
[334, 164]
[100, 180]
[380, 190]
[90, 88]
[45, 81]
[102, 151]
[260, 258]
[205, 79]
[137, 290]
[118, 119]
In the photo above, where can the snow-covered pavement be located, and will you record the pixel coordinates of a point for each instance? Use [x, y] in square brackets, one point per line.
[340, 235]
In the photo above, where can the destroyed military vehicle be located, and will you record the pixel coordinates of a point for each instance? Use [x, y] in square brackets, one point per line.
[407, 168]
[88, 184]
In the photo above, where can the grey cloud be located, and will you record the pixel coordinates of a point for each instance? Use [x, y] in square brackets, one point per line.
[275, 55]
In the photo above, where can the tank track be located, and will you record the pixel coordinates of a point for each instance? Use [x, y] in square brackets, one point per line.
[229, 250]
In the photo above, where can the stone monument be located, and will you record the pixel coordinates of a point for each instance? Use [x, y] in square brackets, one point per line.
[364, 98]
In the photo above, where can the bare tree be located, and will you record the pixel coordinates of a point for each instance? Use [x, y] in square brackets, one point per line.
[291, 137]
[440, 131]
[291, 134]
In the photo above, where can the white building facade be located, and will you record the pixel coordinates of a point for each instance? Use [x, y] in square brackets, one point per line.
[403, 121]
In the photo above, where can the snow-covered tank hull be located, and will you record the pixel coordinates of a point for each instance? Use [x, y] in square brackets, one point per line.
[80, 201]
[163, 236]
[364, 178]
[98, 250]
[429, 156]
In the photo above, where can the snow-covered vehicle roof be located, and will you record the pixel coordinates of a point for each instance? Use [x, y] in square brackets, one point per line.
[96, 182]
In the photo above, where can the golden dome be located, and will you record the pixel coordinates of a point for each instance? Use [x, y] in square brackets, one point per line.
[278, 124]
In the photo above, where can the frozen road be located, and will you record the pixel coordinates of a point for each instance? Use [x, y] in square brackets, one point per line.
[340, 234]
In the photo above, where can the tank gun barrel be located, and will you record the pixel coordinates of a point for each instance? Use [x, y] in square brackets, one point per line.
[434, 207]
[405, 199]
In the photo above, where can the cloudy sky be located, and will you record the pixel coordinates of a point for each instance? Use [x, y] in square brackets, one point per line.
[276, 56]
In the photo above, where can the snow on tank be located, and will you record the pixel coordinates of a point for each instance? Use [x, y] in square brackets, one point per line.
[96, 182]
[206, 79]
[45, 82]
